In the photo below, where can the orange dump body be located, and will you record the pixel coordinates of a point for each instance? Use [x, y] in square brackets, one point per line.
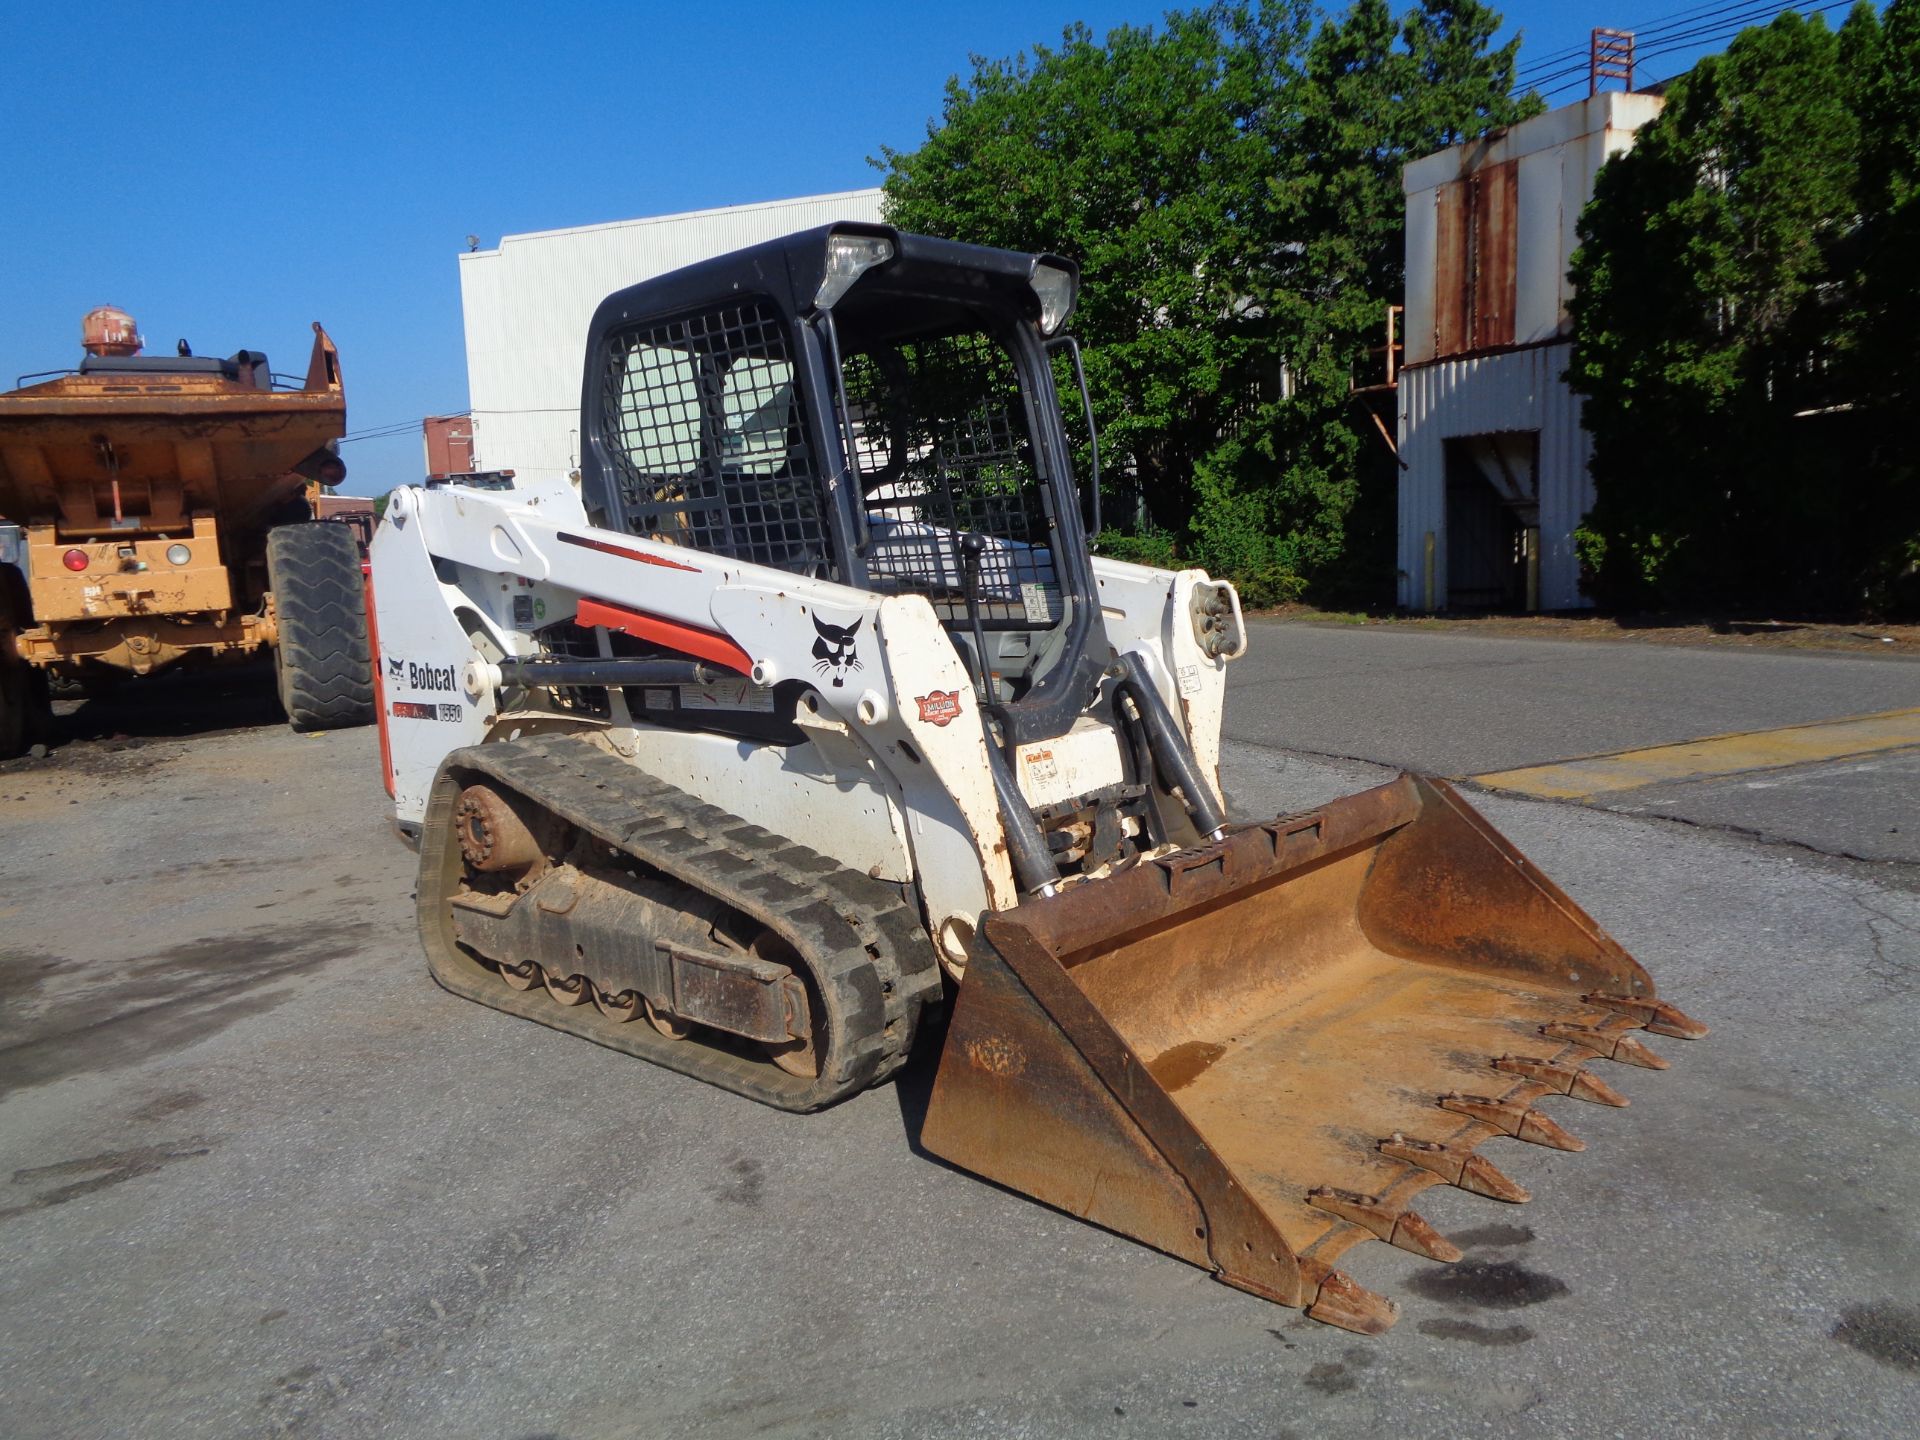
[144, 490]
[126, 451]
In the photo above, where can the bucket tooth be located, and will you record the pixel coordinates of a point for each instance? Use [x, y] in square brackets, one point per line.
[1457, 1165]
[1412, 1232]
[1655, 1015]
[1363, 1210]
[1587, 1086]
[1609, 1044]
[1569, 1080]
[1392, 1223]
[1630, 1051]
[1352, 1307]
[1515, 1118]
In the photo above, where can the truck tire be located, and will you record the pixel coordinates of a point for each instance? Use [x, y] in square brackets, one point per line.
[323, 663]
[13, 710]
[26, 712]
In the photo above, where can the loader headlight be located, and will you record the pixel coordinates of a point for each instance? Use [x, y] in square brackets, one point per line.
[178, 554]
[1054, 287]
[848, 258]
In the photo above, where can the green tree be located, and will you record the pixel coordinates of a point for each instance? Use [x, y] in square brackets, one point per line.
[1131, 158]
[1732, 273]
[1886, 374]
[1229, 184]
[1351, 101]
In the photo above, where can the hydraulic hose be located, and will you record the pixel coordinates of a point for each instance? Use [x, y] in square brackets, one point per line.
[1033, 866]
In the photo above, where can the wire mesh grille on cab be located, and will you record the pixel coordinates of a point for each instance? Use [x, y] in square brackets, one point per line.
[941, 438]
[702, 424]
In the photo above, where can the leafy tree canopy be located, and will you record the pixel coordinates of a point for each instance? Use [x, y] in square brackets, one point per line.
[1741, 275]
[1230, 186]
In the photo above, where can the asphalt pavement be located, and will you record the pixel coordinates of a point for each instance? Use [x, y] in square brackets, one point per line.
[262, 1177]
[1465, 705]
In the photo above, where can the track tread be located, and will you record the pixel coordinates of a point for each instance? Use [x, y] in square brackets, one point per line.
[861, 937]
[324, 660]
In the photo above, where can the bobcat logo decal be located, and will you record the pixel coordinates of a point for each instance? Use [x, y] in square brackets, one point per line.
[833, 651]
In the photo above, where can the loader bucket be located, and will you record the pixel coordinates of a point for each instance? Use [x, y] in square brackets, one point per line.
[1255, 1055]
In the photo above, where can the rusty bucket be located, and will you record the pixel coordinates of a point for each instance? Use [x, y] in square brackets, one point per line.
[1255, 1055]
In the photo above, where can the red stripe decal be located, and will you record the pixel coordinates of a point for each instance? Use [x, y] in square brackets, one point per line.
[379, 688]
[605, 548]
[705, 644]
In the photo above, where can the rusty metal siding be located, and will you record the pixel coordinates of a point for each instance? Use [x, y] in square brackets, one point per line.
[1494, 199]
[1452, 259]
[1484, 395]
[1532, 181]
[527, 305]
[1474, 280]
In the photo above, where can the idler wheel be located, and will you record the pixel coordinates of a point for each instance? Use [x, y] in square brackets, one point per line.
[569, 989]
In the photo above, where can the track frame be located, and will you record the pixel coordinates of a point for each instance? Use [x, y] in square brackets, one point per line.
[872, 964]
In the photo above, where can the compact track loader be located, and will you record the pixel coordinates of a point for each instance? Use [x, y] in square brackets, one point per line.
[809, 714]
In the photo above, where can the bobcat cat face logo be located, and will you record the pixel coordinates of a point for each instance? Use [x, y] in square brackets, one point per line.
[833, 651]
[396, 668]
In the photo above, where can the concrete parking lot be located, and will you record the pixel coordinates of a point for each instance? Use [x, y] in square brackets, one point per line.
[262, 1177]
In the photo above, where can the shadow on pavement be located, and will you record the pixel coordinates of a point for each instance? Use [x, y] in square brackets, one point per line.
[171, 706]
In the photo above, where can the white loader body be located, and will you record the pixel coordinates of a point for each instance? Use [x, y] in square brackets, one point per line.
[462, 577]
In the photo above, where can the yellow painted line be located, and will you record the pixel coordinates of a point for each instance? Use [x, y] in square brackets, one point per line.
[1712, 756]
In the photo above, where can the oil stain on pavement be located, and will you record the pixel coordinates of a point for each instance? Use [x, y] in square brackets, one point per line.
[98, 1172]
[1489, 1285]
[1888, 1332]
[67, 1018]
[1333, 1377]
[1488, 1335]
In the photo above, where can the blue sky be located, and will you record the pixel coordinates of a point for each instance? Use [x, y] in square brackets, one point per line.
[231, 174]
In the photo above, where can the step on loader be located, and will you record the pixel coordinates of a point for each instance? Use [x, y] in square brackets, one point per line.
[806, 713]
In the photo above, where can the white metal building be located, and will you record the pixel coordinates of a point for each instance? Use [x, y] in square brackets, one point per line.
[527, 305]
[1496, 462]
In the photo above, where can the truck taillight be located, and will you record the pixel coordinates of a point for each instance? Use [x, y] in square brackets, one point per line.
[74, 559]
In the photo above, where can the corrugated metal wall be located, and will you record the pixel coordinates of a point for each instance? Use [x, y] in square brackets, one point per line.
[1487, 395]
[527, 305]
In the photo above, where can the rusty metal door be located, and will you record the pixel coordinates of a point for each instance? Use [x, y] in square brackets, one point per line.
[1451, 291]
[1495, 219]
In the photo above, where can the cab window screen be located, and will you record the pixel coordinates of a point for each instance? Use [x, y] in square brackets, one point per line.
[709, 442]
[940, 431]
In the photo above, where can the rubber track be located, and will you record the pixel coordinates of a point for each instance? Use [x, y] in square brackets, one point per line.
[319, 601]
[870, 956]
